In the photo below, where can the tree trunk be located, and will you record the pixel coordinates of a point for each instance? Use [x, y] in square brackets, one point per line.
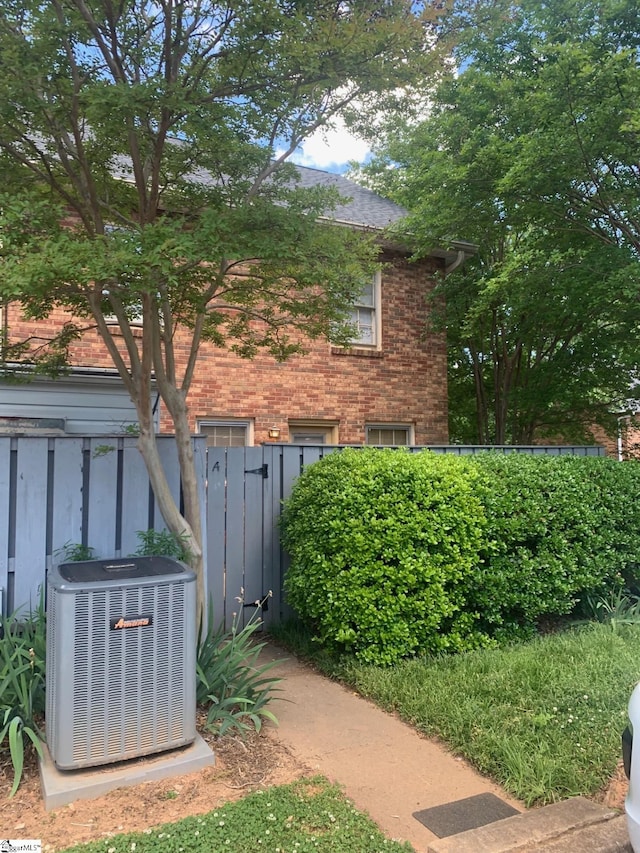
[482, 425]
[137, 381]
[189, 525]
[192, 508]
[176, 523]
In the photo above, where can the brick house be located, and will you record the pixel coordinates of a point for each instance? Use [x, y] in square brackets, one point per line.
[390, 387]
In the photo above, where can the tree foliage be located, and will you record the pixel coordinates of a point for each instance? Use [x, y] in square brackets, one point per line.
[575, 132]
[531, 152]
[142, 158]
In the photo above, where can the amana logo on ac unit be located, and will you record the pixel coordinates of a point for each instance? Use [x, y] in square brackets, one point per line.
[141, 621]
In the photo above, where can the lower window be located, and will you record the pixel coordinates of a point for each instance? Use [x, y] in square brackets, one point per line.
[313, 432]
[225, 433]
[388, 435]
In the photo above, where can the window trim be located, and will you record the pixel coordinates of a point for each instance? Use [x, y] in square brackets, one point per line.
[136, 321]
[313, 425]
[376, 308]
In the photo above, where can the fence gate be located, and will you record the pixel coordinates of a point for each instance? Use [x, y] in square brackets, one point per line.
[246, 487]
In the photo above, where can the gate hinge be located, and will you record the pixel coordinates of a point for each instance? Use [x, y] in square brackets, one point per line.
[263, 469]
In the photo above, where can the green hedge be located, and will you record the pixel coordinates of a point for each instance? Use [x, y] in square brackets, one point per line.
[558, 529]
[395, 554]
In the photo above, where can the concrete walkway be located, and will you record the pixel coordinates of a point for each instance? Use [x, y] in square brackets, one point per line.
[384, 766]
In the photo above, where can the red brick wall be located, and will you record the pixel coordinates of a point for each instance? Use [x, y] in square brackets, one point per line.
[403, 383]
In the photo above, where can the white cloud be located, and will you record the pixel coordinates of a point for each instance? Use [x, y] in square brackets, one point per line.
[331, 149]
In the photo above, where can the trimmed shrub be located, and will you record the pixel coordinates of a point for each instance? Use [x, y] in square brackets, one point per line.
[395, 554]
[558, 529]
[382, 542]
[619, 528]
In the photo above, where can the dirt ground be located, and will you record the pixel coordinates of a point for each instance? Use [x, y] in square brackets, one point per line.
[240, 767]
[613, 794]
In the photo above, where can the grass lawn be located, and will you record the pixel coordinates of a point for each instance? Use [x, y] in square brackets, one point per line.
[308, 816]
[543, 718]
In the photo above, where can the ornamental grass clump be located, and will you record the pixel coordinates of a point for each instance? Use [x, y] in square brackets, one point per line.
[382, 543]
[22, 697]
[232, 685]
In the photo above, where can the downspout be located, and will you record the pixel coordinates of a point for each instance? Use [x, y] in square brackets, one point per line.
[455, 264]
[619, 422]
[4, 335]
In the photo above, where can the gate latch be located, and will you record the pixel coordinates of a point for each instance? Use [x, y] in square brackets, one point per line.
[263, 603]
[263, 469]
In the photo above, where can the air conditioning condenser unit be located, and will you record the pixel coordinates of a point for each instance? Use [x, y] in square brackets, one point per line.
[121, 660]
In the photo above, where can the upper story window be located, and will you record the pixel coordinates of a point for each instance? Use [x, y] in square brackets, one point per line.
[365, 314]
[132, 306]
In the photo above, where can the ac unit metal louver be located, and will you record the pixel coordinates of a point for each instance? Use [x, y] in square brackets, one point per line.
[121, 660]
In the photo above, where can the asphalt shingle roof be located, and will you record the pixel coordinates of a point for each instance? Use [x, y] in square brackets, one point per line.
[363, 207]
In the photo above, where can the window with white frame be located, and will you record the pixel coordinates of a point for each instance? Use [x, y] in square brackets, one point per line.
[132, 307]
[226, 433]
[389, 435]
[365, 314]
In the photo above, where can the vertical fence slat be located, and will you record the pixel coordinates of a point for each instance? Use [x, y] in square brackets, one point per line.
[200, 460]
[216, 529]
[271, 542]
[234, 566]
[135, 496]
[310, 454]
[253, 540]
[31, 521]
[5, 456]
[291, 469]
[67, 496]
[102, 497]
[168, 454]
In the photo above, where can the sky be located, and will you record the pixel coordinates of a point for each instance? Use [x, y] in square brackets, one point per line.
[331, 150]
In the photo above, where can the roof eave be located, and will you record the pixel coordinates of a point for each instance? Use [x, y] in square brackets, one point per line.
[396, 243]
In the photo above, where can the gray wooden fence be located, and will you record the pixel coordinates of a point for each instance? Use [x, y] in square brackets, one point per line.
[95, 492]
[80, 491]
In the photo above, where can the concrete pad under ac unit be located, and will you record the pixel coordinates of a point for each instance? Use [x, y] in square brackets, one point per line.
[61, 787]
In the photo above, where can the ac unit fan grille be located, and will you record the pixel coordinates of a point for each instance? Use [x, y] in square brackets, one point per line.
[128, 684]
